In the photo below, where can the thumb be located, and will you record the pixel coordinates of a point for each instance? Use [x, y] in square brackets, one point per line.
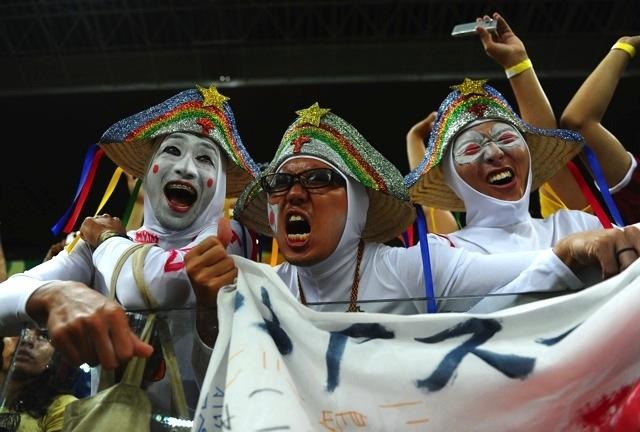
[224, 231]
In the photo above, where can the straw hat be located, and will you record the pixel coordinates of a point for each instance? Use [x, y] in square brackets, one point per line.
[320, 133]
[130, 142]
[473, 100]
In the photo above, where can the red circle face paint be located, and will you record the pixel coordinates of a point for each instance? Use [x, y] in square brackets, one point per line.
[155, 168]
[209, 182]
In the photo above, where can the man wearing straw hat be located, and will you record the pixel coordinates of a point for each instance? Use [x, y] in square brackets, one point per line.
[330, 199]
[190, 155]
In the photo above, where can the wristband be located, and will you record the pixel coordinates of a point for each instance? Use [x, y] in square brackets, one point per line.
[630, 49]
[106, 235]
[518, 68]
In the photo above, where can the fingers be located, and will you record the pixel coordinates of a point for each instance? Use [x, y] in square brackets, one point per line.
[100, 337]
[65, 342]
[202, 247]
[627, 247]
[209, 270]
[605, 253]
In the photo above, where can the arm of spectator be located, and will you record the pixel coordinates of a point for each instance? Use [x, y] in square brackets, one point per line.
[508, 50]
[588, 106]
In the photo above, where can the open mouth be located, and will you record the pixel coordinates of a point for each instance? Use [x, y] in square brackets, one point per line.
[501, 178]
[298, 228]
[23, 355]
[180, 196]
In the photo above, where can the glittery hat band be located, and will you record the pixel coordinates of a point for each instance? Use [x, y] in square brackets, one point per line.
[307, 139]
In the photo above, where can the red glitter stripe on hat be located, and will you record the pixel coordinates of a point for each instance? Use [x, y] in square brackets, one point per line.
[350, 155]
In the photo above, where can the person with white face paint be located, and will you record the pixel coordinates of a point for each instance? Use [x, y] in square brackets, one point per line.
[331, 200]
[483, 159]
[190, 156]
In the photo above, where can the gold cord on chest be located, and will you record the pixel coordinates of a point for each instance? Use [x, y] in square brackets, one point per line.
[353, 302]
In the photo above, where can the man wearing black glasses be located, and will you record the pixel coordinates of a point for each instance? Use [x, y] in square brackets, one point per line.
[331, 201]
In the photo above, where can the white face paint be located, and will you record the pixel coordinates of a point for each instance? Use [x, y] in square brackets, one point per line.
[181, 179]
[475, 144]
[273, 211]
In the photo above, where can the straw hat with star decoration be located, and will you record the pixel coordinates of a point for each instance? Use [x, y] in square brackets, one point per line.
[320, 133]
[474, 100]
[130, 143]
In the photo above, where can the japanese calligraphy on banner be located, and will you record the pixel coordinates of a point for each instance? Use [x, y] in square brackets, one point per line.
[568, 363]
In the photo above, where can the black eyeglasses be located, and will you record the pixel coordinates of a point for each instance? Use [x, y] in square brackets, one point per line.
[316, 178]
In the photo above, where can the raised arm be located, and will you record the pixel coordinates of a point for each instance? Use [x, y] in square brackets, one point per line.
[510, 53]
[586, 109]
[438, 220]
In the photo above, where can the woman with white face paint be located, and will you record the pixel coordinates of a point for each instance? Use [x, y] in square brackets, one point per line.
[481, 158]
[190, 156]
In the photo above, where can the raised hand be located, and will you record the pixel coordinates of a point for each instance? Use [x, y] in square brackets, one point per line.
[502, 45]
[92, 227]
[416, 136]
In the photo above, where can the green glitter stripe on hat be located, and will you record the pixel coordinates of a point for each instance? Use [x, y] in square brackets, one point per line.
[364, 172]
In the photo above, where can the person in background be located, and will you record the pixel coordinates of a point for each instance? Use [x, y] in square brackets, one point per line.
[584, 114]
[39, 385]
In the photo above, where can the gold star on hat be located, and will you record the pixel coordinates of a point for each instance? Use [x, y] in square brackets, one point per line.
[470, 86]
[212, 96]
[312, 115]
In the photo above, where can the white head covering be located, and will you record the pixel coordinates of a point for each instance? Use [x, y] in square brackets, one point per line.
[206, 223]
[333, 277]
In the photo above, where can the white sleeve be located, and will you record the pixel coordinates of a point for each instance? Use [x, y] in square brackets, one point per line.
[458, 273]
[164, 275]
[16, 290]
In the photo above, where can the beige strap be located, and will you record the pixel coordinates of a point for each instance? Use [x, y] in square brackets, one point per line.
[116, 270]
[107, 377]
[138, 274]
[168, 351]
[175, 377]
[134, 372]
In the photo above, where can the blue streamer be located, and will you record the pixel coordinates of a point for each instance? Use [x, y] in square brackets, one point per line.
[426, 260]
[603, 186]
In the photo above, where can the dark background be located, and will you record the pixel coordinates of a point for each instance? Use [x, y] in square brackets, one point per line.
[68, 70]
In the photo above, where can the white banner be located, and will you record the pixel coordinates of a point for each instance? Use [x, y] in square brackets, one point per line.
[563, 364]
